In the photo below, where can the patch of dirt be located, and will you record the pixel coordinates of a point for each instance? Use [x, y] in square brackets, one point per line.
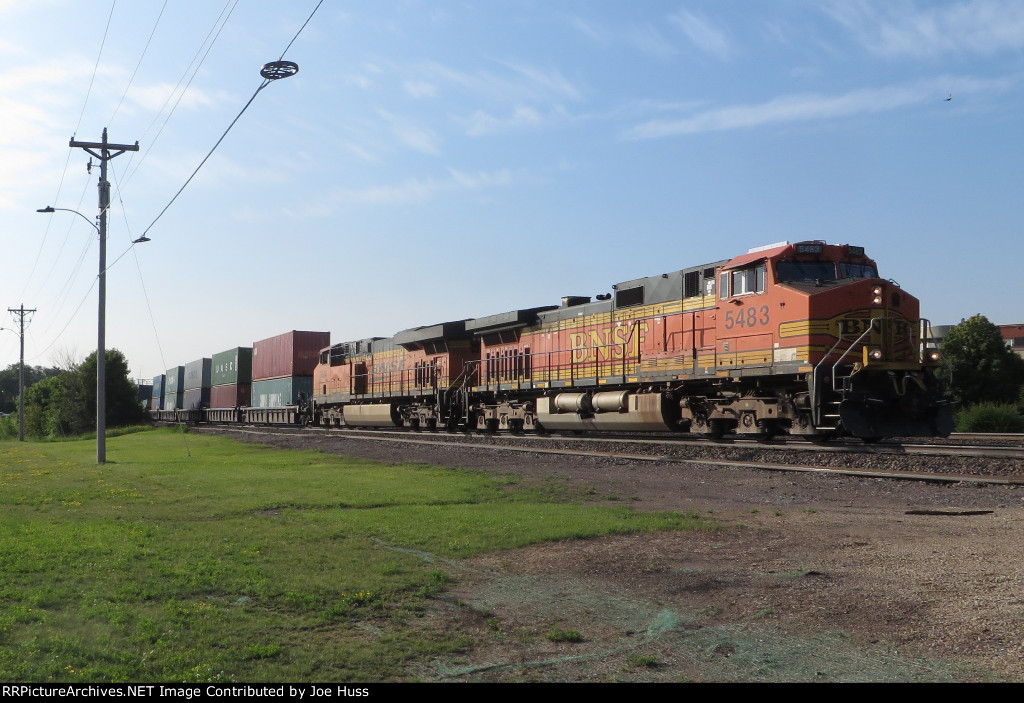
[808, 578]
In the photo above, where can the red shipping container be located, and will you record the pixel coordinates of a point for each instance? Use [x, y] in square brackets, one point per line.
[290, 354]
[234, 395]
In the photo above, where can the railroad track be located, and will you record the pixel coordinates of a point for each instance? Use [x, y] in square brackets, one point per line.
[934, 462]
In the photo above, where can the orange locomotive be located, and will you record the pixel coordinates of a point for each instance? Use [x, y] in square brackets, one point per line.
[801, 339]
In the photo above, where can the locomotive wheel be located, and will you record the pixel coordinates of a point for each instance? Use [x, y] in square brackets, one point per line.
[716, 429]
[768, 429]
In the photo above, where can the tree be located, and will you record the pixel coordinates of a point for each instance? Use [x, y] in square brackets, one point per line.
[9, 383]
[123, 407]
[65, 404]
[979, 367]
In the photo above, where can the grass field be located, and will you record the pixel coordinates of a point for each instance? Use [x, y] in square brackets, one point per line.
[195, 558]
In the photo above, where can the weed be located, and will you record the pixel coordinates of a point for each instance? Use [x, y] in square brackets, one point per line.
[436, 584]
[778, 513]
[643, 660]
[763, 613]
[262, 651]
[557, 634]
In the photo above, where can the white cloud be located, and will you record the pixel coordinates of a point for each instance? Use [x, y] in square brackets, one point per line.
[588, 29]
[549, 82]
[481, 123]
[412, 191]
[358, 81]
[524, 84]
[420, 89]
[481, 179]
[902, 29]
[806, 107]
[703, 34]
[650, 41]
[417, 138]
[154, 97]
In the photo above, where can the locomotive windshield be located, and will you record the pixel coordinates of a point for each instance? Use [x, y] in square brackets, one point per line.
[848, 270]
[805, 271]
[822, 271]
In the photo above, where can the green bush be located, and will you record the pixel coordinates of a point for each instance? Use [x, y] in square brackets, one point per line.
[990, 417]
[9, 427]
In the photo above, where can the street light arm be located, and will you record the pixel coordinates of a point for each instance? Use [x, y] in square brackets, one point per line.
[51, 208]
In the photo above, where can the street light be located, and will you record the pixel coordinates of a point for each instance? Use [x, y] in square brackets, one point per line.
[101, 350]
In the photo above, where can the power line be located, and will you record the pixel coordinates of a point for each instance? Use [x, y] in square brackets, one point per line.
[67, 161]
[137, 65]
[95, 68]
[269, 76]
[215, 31]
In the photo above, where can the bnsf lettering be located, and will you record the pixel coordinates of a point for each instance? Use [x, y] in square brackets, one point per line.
[607, 343]
[857, 326]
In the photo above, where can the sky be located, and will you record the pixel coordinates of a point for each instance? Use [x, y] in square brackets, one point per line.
[435, 161]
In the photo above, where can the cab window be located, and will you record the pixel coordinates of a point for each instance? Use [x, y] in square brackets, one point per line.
[848, 270]
[747, 281]
[805, 271]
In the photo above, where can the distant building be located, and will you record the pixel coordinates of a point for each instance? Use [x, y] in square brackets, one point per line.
[1013, 335]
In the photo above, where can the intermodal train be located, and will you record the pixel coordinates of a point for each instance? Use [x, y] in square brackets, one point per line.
[800, 339]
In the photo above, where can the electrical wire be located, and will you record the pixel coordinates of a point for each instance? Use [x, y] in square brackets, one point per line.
[263, 85]
[266, 82]
[70, 320]
[96, 67]
[137, 65]
[63, 175]
[215, 30]
[64, 242]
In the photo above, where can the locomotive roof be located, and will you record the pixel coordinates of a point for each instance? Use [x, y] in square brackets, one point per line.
[442, 330]
[756, 255]
[506, 320]
[794, 249]
[572, 311]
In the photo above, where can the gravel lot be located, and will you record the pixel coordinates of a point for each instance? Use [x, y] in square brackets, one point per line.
[810, 578]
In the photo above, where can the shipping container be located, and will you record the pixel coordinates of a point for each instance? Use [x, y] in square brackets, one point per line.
[158, 387]
[173, 401]
[292, 354]
[279, 392]
[145, 395]
[232, 366]
[174, 381]
[232, 395]
[196, 398]
[197, 374]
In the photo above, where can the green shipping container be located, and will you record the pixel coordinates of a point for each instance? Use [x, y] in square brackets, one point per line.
[232, 366]
[279, 392]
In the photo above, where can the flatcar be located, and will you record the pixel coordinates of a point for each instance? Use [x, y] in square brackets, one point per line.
[801, 339]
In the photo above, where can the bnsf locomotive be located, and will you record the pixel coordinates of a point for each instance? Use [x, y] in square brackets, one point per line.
[800, 339]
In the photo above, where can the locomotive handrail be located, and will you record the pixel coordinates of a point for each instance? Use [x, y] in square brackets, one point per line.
[857, 341]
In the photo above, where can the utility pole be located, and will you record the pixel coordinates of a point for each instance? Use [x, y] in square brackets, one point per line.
[102, 151]
[21, 312]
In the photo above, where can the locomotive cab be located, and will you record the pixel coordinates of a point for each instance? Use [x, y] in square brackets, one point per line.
[858, 339]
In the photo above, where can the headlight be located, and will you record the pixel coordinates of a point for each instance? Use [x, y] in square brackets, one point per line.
[934, 355]
[876, 292]
[875, 353]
